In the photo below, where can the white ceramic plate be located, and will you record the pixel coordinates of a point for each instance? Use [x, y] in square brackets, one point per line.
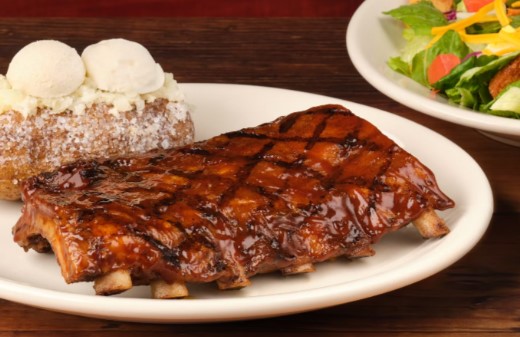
[401, 258]
[373, 37]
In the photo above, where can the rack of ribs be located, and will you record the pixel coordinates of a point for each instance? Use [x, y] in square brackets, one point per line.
[305, 188]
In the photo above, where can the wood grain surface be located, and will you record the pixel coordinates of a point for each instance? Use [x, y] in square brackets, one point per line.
[479, 295]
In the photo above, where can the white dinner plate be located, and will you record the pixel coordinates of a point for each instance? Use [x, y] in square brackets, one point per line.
[373, 37]
[401, 258]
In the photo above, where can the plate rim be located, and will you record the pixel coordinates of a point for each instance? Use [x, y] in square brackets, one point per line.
[265, 305]
[364, 17]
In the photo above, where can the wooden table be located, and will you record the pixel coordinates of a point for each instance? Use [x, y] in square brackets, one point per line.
[478, 295]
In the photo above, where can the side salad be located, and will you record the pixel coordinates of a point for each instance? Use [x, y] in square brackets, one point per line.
[465, 50]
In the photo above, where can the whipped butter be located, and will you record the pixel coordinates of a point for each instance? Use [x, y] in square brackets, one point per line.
[119, 65]
[46, 68]
[142, 85]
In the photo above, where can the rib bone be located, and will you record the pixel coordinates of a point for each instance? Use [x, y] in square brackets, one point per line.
[163, 290]
[113, 283]
[303, 268]
[364, 251]
[430, 225]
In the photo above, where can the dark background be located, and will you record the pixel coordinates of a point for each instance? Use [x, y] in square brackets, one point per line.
[177, 8]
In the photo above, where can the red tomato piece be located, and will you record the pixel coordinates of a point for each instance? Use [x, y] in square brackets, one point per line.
[441, 66]
[475, 5]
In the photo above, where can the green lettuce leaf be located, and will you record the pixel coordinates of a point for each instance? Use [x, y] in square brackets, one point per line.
[397, 64]
[481, 75]
[419, 17]
[450, 80]
[450, 43]
[471, 89]
[414, 46]
[463, 97]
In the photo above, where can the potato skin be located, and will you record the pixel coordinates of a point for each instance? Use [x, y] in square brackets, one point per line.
[44, 141]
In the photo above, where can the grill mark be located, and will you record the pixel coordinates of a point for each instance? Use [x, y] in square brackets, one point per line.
[288, 123]
[240, 134]
[317, 132]
[170, 256]
[389, 159]
[349, 142]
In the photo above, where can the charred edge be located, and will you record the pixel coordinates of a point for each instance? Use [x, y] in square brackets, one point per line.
[195, 151]
[85, 215]
[103, 201]
[91, 175]
[244, 134]
[339, 110]
[171, 256]
[299, 163]
[288, 122]
[352, 141]
[39, 243]
[42, 181]
[204, 233]
[160, 206]
[156, 160]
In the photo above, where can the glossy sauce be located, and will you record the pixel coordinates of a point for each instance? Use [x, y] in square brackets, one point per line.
[305, 188]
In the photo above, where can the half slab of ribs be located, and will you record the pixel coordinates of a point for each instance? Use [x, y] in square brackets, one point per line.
[304, 188]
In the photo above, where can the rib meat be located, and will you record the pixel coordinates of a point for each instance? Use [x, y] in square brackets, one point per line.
[307, 187]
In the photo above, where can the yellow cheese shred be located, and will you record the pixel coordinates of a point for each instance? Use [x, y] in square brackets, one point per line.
[499, 49]
[479, 38]
[500, 10]
[510, 35]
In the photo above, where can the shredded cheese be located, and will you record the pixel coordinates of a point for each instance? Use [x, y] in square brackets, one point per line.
[488, 18]
[503, 42]
[500, 10]
[510, 35]
[479, 38]
[499, 49]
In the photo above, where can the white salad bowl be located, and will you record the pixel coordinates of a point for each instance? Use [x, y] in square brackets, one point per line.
[373, 37]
